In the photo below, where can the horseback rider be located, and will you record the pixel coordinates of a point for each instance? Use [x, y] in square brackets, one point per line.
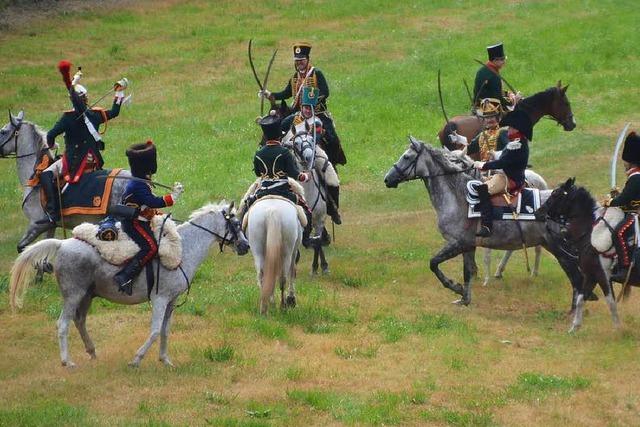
[138, 195]
[512, 162]
[83, 141]
[629, 198]
[303, 121]
[488, 83]
[307, 75]
[273, 164]
[492, 138]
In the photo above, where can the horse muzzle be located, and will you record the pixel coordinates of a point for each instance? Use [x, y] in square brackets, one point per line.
[242, 246]
[391, 180]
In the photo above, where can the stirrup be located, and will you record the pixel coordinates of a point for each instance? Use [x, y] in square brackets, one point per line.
[126, 287]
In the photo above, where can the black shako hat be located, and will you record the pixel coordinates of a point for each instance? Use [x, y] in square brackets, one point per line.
[496, 51]
[271, 128]
[520, 120]
[301, 50]
[142, 159]
[631, 150]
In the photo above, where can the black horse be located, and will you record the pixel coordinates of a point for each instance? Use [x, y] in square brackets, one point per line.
[569, 215]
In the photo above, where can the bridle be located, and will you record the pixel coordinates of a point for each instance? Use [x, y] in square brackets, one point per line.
[14, 137]
[413, 166]
[232, 227]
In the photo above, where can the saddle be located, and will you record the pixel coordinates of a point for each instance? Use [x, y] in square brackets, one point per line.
[89, 196]
[248, 200]
[614, 236]
[118, 252]
[523, 204]
[302, 217]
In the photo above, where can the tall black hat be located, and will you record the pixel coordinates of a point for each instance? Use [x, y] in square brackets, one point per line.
[301, 50]
[631, 150]
[520, 120]
[496, 51]
[271, 127]
[142, 159]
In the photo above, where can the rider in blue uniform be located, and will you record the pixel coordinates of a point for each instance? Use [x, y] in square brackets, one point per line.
[138, 194]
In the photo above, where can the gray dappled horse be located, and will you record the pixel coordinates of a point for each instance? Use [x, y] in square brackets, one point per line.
[552, 102]
[445, 178]
[315, 194]
[82, 275]
[27, 142]
[275, 234]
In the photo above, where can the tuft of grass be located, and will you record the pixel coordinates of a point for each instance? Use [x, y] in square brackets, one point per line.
[268, 328]
[220, 354]
[45, 413]
[535, 386]
[216, 398]
[461, 419]
[356, 353]
[392, 328]
[354, 281]
[53, 310]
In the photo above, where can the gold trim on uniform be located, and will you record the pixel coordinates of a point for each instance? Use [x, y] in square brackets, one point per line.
[487, 142]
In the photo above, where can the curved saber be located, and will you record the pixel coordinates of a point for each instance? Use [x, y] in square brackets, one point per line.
[440, 96]
[466, 86]
[253, 68]
[614, 159]
[266, 79]
[497, 74]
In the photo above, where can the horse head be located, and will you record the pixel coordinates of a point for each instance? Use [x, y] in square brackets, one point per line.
[556, 205]
[234, 228]
[560, 108]
[408, 166]
[10, 132]
[304, 149]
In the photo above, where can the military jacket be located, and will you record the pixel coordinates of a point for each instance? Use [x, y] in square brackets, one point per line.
[487, 141]
[138, 194]
[273, 161]
[629, 198]
[78, 140]
[315, 79]
[493, 86]
[513, 161]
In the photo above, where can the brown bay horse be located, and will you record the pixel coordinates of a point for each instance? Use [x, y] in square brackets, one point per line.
[552, 102]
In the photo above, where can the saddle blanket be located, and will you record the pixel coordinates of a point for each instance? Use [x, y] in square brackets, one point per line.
[300, 211]
[525, 206]
[117, 252]
[90, 195]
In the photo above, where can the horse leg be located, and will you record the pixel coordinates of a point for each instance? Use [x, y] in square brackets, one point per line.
[283, 282]
[80, 321]
[164, 334]
[450, 250]
[487, 266]
[468, 262]
[503, 264]
[536, 263]
[71, 303]
[577, 318]
[157, 319]
[291, 297]
[601, 275]
[323, 262]
[314, 263]
[570, 267]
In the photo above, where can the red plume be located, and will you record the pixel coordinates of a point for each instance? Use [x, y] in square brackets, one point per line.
[149, 142]
[64, 67]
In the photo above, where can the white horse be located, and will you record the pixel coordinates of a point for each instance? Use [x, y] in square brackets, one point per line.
[274, 233]
[82, 275]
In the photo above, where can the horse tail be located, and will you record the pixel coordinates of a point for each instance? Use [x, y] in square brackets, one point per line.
[24, 266]
[272, 269]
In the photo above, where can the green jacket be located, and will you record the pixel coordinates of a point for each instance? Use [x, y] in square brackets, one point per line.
[77, 139]
[315, 79]
[629, 198]
[274, 163]
[487, 85]
[501, 142]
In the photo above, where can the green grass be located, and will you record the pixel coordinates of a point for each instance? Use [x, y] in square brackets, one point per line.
[376, 341]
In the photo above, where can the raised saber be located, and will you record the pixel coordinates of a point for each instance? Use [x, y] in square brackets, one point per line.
[266, 79]
[497, 74]
[440, 96]
[614, 159]
[466, 86]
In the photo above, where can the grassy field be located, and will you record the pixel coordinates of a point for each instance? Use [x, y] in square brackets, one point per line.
[376, 341]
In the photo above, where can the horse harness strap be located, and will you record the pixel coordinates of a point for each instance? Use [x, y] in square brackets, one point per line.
[14, 137]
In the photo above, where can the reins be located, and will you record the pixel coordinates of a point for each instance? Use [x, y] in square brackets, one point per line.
[14, 137]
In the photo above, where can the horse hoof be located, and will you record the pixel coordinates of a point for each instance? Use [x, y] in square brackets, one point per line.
[167, 362]
[573, 329]
[134, 364]
[69, 364]
[485, 283]
[461, 301]
[291, 301]
[92, 354]
[325, 271]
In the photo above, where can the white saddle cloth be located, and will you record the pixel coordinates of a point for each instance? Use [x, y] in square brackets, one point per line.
[117, 252]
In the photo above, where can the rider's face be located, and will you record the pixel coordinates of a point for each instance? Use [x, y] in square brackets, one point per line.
[490, 122]
[306, 111]
[301, 64]
[499, 63]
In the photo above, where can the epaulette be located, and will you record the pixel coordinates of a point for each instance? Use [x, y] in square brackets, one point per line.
[514, 145]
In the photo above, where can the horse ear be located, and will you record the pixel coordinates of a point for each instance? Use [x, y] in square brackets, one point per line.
[12, 119]
[20, 116]
[564, 89]
[233, 202]
[559, 85]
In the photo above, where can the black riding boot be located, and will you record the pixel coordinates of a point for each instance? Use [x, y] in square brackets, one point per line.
[51, 209]
[486, 211]
[333, 203]
[308, 241]
[125, 277]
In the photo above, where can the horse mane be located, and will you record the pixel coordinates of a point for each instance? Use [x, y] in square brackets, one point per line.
[208, 208]
[583, 201]
[528, 104]
[39, 133]
[447, 161]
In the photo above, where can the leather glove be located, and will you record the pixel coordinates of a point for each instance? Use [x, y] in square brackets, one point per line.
[264, 93]
[177, 191]
[76, 78]
[614, 192]
[121, 84]
[458, 139]
[478, 165]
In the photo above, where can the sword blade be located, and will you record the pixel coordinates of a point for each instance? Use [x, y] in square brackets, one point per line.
[614, 159]
[440, 96]
[497, 74]
[266, 78]
[133, 178]
[253, 68]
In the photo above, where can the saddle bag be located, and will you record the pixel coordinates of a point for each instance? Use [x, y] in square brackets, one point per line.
[107, 229]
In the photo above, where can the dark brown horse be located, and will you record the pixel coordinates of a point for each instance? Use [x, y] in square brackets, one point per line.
[552, 102]
[569, 214]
